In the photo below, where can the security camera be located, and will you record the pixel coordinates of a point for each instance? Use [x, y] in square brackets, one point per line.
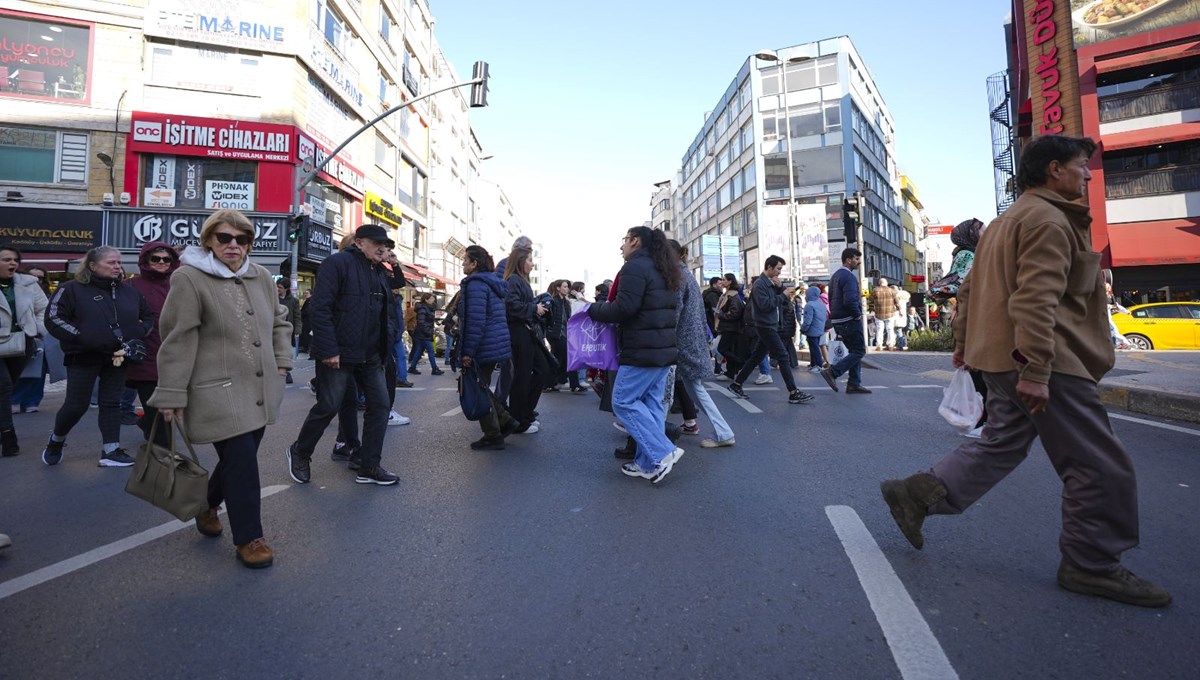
[124, 198]
[108, 199]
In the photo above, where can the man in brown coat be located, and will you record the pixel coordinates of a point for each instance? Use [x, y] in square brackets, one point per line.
[1032, 317]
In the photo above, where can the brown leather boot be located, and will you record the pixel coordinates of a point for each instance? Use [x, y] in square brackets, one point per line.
[909, 500]
[256, 554]
[209, 523]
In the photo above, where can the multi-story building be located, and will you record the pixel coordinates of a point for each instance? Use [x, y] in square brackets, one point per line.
[806, 125]
[913, 222]
[662, 213]
[1132, 85]
[173, 108]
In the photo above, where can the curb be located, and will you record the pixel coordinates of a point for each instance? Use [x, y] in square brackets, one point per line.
[1185, 407]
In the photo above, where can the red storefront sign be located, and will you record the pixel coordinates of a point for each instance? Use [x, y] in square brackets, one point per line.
[337, 171]
[212, 138]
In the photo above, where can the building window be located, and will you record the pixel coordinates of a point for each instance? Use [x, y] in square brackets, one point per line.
[38, 155]
[1149, 90]
[335, 30]
[1169, 169]
[191, 176]
[385, 157]
[387, 27]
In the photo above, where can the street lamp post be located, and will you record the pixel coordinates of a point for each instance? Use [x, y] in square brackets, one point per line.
[793, 235]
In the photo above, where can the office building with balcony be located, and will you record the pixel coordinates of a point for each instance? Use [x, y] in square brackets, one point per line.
[1134, 87]
[807, 124]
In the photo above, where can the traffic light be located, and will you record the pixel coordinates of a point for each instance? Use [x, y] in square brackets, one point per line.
[296, 226]
[479, 91]
[852, 216]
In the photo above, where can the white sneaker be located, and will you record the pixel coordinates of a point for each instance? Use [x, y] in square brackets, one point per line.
[5, 541]
[975, 433]
[397, 419]
[532, 429]
[764, 379]
[815, 369]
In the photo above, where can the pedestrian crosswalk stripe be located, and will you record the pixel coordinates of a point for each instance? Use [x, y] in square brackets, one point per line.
[744, 403]
[452, 412]
[916, 387]
[447, 389]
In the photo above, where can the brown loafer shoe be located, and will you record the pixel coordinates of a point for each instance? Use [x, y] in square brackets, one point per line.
[209, 523]
[1121, 585]
[256, 554]
[909, 500]
[857, 389]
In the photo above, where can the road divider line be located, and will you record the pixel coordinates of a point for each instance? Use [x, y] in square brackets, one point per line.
[916, 651]
[917, 387]
[1151, 423]
[452, 412]
[447, 389]
[72, 564]
[744, 403]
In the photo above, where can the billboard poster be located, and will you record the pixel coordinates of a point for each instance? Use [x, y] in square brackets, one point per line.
[235, 195]
[45, 58]
[1097, 21]
[238, 140]
[244, 24]
[813, 232]
[720, 254]
[774, 235]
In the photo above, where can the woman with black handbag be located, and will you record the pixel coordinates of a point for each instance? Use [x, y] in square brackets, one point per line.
[226, 347]
[100, 321]
[22, 304]
[523, 313]
[483, 339]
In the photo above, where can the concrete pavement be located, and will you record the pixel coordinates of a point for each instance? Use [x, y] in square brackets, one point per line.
[1165, 384]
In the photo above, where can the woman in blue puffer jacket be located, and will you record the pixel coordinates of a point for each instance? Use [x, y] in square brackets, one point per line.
[483, 337]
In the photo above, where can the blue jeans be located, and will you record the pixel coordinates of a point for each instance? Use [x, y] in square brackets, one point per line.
[420, 347]
[401, 354]
[851, 333]
[449, 349]
[764, 366]
[695, 388]
[637, 402]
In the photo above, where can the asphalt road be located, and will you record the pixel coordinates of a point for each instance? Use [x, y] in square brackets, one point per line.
[542, 561]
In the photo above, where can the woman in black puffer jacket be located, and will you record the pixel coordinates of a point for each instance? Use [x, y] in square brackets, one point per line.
[100, 321]
[523, 313]
[423, 336]
[644, 311]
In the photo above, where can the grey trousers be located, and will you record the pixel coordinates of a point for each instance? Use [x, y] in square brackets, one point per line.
[1099, 498]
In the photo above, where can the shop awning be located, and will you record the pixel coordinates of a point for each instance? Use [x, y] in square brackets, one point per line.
[423, 272]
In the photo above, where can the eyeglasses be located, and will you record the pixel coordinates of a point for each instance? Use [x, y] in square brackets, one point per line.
[628, 238]
[224, 238]
[166, 259]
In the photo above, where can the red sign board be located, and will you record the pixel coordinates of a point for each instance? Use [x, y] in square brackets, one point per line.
[938, 230]
[918, 278]
[238, 140]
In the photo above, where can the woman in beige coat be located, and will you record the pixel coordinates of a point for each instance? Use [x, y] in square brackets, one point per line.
[226, 346]
[22, 304]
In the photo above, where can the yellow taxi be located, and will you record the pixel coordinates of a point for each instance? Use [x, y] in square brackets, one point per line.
[1161, 325]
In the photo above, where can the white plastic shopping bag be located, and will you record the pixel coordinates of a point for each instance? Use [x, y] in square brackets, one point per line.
[961, 405]
[837, 351]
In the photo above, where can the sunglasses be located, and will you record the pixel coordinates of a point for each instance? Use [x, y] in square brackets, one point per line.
[163, 259]
[224, 238]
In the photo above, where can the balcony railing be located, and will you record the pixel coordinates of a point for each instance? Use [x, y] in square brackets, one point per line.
[1175, 180]
[1150, 102]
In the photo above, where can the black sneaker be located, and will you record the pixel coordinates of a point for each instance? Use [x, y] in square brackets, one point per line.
[413, 371]
[118, 458]
[298, 467]
[129, 418]
[52, 454]
[354, 463]
[799, 397]
[509, 428]
[627, 453]
[488, 444]
[9, 443]
[403, 383]
[288, 379]
[436, 371]
[342, 452]
[738, 391]
[376, 475]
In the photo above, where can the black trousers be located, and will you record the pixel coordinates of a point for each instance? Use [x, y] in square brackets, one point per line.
[80, 380]
[526, 387]
[145, 389]
[10, 370]
[235, 482]
[331, 394]
[730, 347]
[768, 342]
[558, 347]
[789, 344]
[686, 404]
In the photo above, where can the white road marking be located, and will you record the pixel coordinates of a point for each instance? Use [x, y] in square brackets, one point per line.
[760, 388]
[452, 412]
[447, 389]
[71, 564]
[916, 651]
[916, 387]
[1151, 423]
[744, 403]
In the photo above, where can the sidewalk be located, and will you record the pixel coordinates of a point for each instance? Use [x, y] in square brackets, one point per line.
[1164, 383]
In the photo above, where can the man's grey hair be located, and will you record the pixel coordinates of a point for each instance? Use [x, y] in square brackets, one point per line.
[523, 242]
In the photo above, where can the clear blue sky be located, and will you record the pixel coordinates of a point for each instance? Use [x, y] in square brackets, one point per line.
[592, 103]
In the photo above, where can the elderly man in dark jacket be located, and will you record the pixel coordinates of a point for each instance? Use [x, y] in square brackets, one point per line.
[354, 326]
[764, 300]
[644, 310]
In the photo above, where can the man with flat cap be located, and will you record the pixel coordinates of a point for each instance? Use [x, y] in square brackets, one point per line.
[354, 329]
